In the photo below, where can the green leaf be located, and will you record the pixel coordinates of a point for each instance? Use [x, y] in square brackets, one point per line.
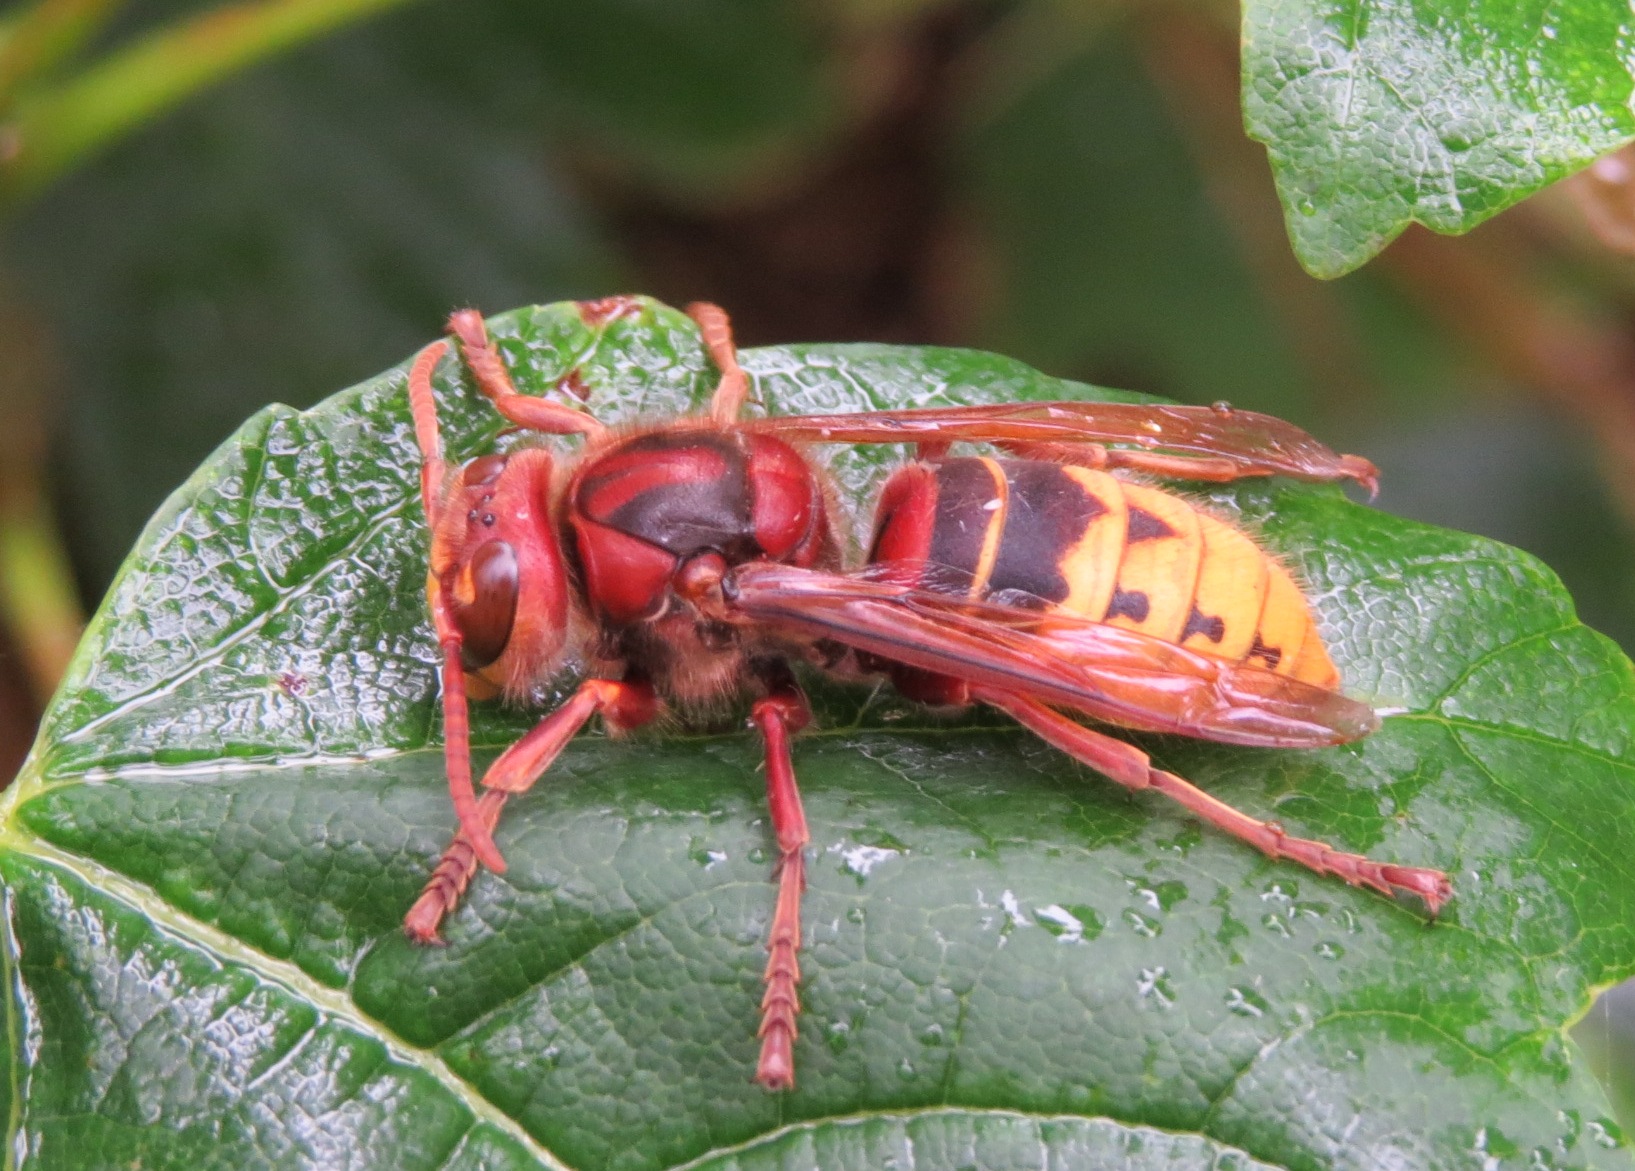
[1008, 962]
[1377, 115]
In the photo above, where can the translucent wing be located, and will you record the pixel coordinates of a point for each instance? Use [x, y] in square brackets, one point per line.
[1104, 671]
[1213, 442]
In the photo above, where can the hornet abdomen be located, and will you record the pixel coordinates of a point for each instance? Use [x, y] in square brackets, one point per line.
[1033, 533]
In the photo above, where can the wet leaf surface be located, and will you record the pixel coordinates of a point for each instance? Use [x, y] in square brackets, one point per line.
[1009, 963]
[1378, 115]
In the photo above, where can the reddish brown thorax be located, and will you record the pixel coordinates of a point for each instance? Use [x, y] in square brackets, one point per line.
[642, 510]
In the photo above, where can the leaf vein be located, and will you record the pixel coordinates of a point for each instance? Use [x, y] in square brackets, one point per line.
[862, 1116]
[227, 949]
[218, 651]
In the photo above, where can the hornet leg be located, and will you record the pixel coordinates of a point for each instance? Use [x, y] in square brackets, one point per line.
[525, 410]
[622, 705]
[1129, 766]
[777, 715]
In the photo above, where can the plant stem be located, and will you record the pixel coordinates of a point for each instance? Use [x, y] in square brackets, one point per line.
[37, 596]
[53, 129]
[45, 35]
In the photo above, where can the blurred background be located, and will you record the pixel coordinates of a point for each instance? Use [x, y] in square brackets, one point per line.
[206, 210]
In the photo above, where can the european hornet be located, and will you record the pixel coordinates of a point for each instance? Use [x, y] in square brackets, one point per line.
[691, 560]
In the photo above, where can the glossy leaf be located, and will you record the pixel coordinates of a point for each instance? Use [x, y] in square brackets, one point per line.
[1009, 963]
[1380, 114]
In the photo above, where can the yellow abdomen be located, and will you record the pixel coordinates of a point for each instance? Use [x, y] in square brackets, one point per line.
[1127, 554]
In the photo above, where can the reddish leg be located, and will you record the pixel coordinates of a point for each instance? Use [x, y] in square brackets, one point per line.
[525, 410]
[457, 744]
[623, 705]
[716, 330]
[456, 719]
[777, 716]
[424, 409]
[1129, 766]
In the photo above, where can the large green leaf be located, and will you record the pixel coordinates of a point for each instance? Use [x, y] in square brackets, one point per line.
[1009, 962]
[1379, 113]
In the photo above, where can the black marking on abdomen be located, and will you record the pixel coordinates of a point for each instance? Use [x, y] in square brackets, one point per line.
[1271, 655]
[1047, 515]
[1211, 627]
[965, 487]
[1144, 526]
[1131, 604]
